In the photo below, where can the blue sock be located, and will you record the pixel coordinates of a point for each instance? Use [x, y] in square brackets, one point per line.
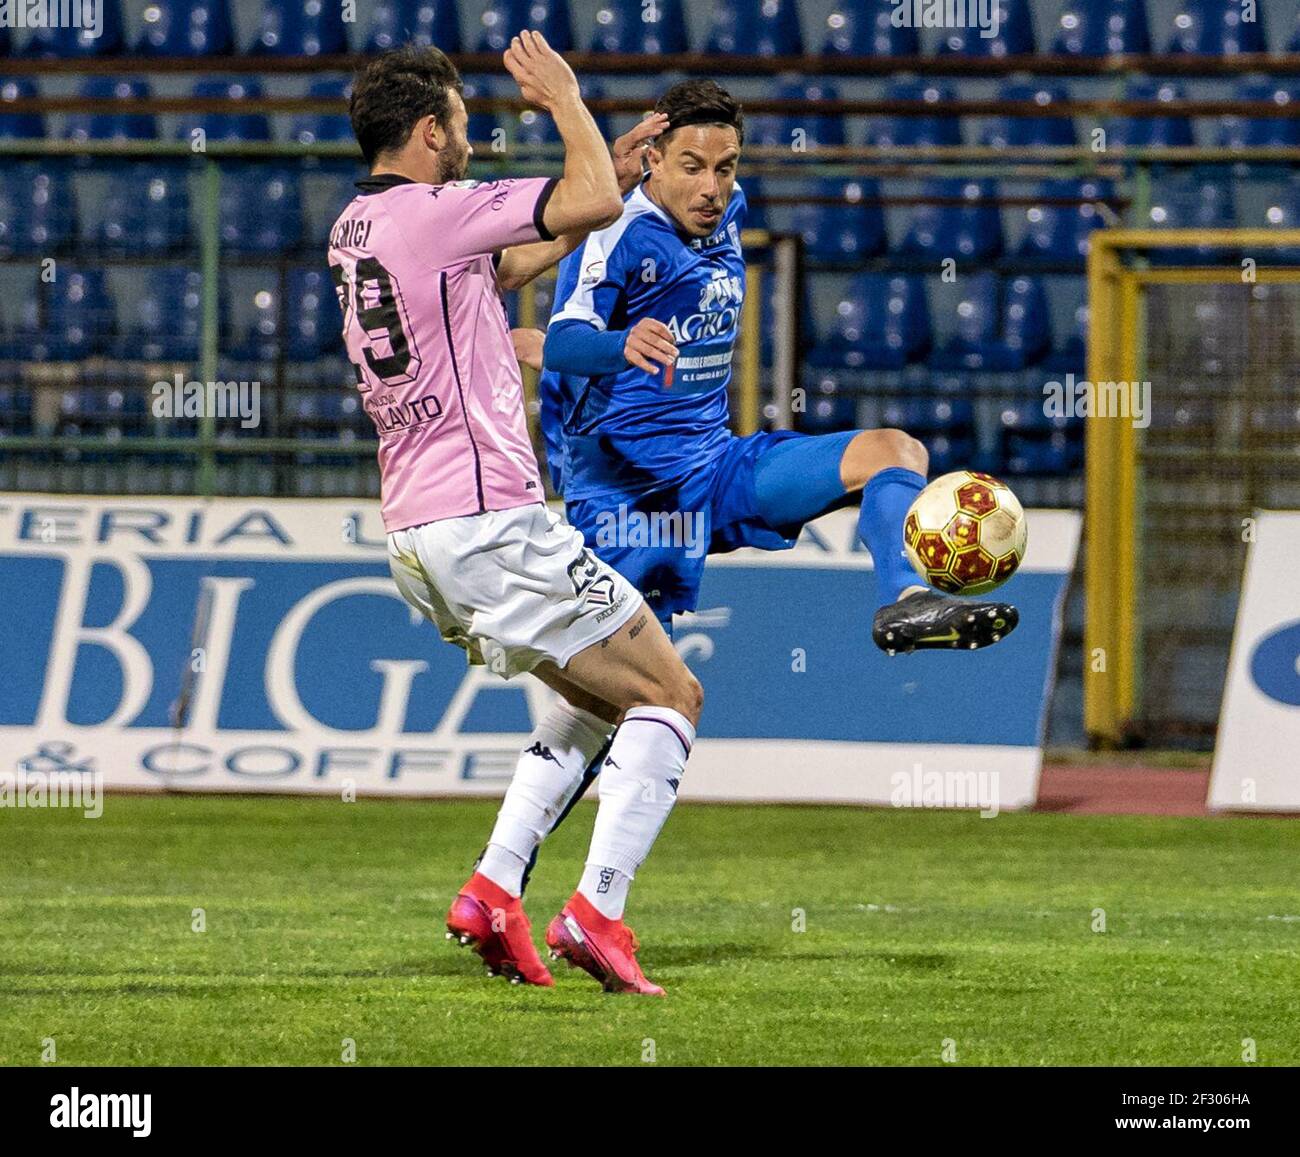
[885, 502]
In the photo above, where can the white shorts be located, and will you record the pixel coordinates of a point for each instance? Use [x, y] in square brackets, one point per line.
[512, 587]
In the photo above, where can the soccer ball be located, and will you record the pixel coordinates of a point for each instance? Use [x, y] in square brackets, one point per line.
[965, 533]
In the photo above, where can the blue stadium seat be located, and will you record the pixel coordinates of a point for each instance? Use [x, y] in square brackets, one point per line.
[1103, 28]
[39, 214]
[146, 212]
[1194, 201]
[6, 41]
[795, 131]
[1216, 28]
[20, 126]
[166, 319]
[70, 318]
[300, 28]
[1001, 326]
[186, 28]
[1071, 354]
[1014, 35]
[1293, 45]
[829, 407]
[1058, 234]
[312, 128]
[946, 427]
[755, 202]
[421, 22]
[228, 126]
[1244, 132]
[538, 128]
[847, 231]
[916, 131]
[970, 231]
[1030, 131]
[15, 412]
[67, 42]
[111, 126]
[1157, 131]
[260, 340]
[1034, 445]
[314, 324]
[260, 209]
[481, 124]
[632, 26]
[882, 321]
[1283, 212]
[502, 19]
[864, 28]
[754, 28]
[335, 190]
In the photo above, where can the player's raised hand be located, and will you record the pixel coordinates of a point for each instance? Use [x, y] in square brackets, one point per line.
[630, 148]
[647, 342]
[544, 77]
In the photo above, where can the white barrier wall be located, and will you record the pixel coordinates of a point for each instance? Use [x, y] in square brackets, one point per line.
[1257, 758]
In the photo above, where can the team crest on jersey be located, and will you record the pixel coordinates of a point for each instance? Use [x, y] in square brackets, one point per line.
[722, 290]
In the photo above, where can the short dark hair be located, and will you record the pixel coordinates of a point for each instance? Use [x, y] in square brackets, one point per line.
[394, 91]
[700, 102]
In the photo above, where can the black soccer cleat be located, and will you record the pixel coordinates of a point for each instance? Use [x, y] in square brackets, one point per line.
[929, 621]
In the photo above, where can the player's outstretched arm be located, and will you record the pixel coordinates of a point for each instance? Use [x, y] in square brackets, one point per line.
[521, 263]
[587, 196]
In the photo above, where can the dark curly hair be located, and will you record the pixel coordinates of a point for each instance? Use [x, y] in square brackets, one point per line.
[394, 91]
[700, 102]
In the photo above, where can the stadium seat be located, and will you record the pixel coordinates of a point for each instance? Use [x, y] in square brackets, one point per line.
[260, 209]
[755, 202]
[300, 28]
[1033, 444]
[228, 126]
[420, 22]
[882, 321]
[70, 318]
[1014, 35]
[19, 126]
[1001, 326]
[67, 42]
[481, 124]
[145, 212]
[15, 412]
[1103, 28]
[1071, 355]
[166, 319]
[847, 231]
[39, 213]
[1283, 212]
[111, 126]
[971, 232]
[1293, 45]
[864, 28]
[754, 28]
[502, 19]
[1058, 234]
[1149, 132]
[186, 28]
[1244, 132]
[1215, 28]
[313, 321]
[1194, 201]
[632, 26]
[535, 127]
[946, 427]
[313, 128]
[916, 131]
[797, 132]
[1031, 131]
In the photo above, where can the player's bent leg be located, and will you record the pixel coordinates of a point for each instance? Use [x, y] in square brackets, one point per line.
[637, 670]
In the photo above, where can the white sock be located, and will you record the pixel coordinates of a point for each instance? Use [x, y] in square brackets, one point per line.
[548, 773]
[638, 787]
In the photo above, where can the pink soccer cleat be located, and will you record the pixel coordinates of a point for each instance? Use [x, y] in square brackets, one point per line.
[603, 947]
[488, 919]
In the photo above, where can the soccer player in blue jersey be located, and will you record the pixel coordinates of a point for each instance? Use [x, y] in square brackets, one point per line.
[634, 393]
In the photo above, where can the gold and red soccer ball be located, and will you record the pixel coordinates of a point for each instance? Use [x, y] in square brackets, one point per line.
[965, 533]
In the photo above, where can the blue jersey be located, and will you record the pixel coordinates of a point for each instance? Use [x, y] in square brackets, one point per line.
[630, 432]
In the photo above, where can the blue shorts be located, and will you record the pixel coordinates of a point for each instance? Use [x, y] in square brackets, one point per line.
[716, 509]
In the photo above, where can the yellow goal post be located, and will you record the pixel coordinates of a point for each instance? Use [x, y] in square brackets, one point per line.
[1136, 305]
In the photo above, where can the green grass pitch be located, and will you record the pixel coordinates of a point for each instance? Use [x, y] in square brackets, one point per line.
[324, 923]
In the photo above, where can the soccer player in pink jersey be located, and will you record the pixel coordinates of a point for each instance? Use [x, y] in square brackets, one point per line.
[419, 260]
